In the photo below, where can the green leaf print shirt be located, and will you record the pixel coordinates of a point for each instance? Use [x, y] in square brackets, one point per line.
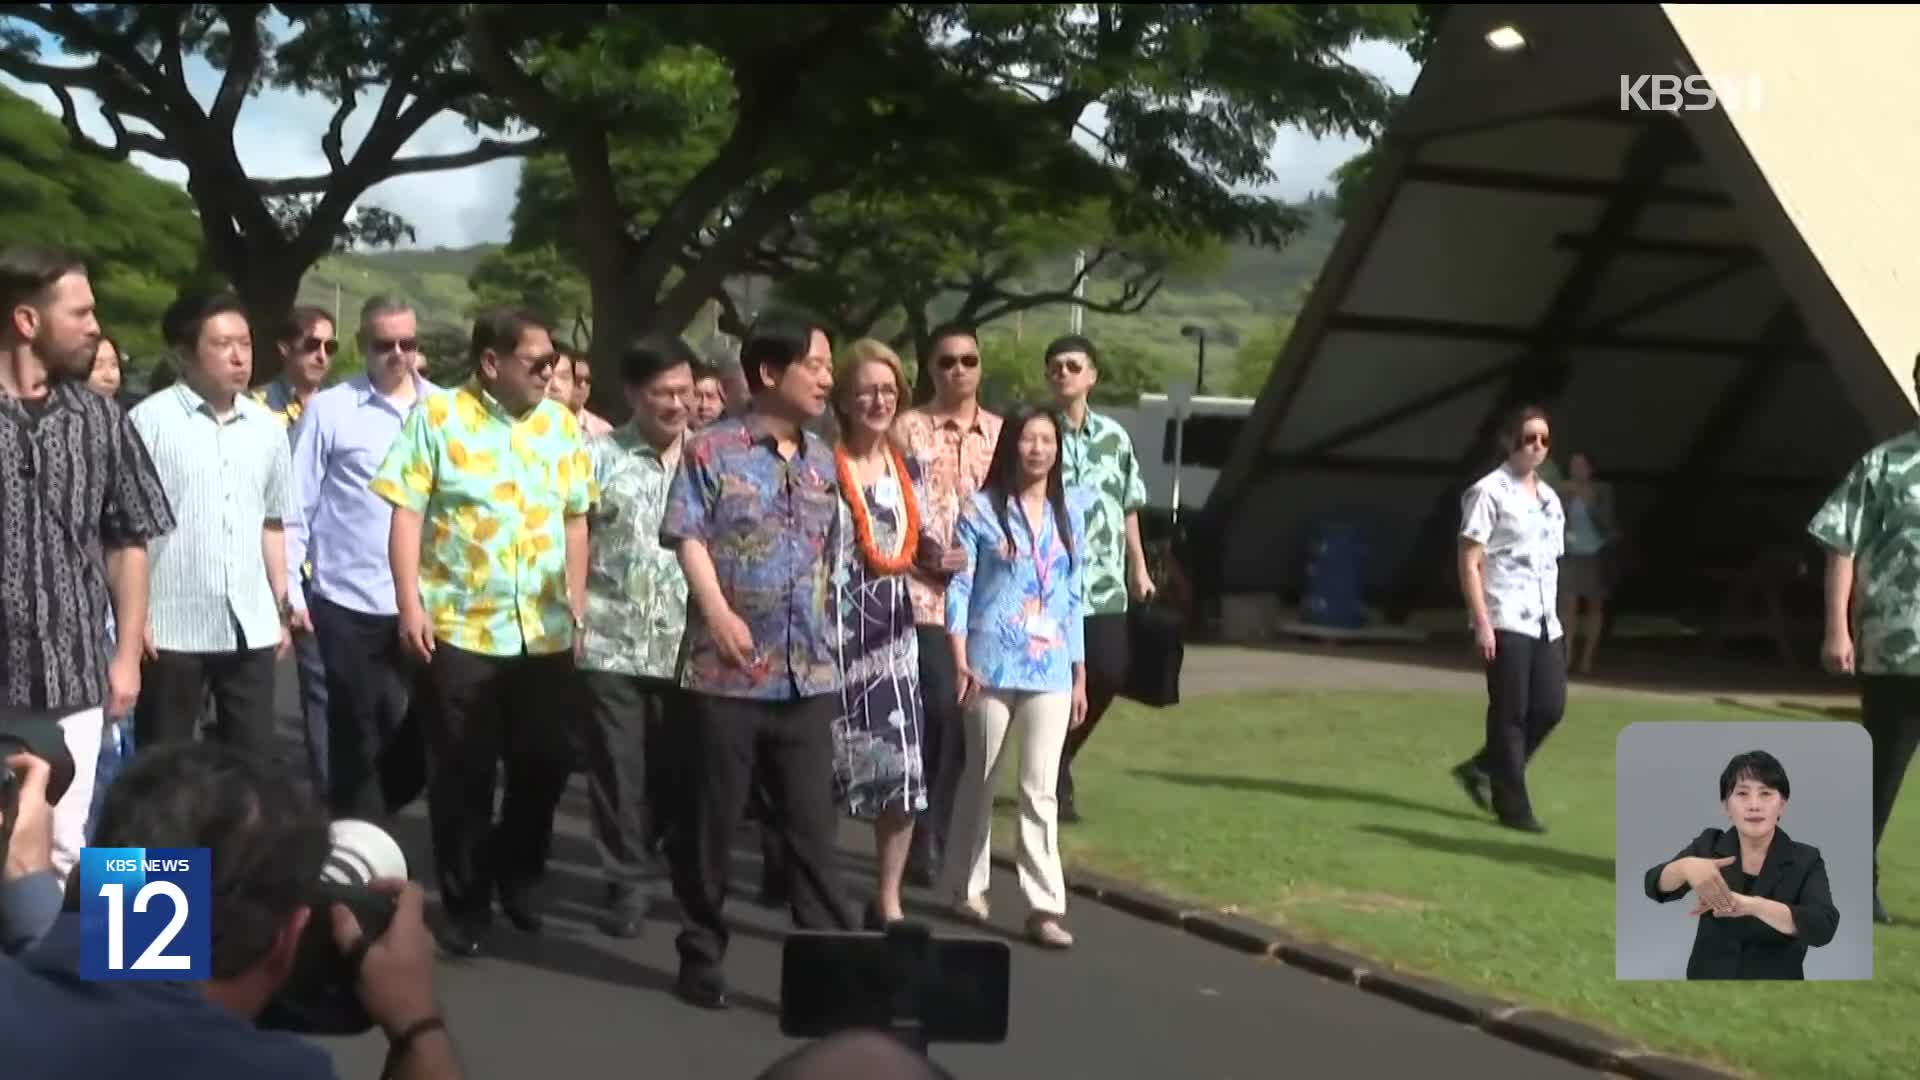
[1874, 516]
[1099, 458]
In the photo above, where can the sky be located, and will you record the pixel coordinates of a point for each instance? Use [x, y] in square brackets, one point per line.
[278, 134]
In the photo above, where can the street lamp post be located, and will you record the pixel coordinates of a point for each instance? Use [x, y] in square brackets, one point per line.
[1199, 334]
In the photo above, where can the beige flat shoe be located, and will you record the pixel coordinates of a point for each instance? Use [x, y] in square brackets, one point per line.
[1046, 931]
[972, 909]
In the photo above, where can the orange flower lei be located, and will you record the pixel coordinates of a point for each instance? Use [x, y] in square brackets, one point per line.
[901, 561]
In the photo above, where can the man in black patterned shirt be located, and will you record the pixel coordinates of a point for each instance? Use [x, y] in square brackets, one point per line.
[79, 501]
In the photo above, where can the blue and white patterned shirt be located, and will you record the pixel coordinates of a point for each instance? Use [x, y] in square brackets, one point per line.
[1524, 536]
[1023, 617]
[225, 479]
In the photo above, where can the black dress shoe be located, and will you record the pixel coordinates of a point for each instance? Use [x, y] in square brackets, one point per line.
[1526, 824]
[520, 910]
[461, 939]
[625, 915]
[701, 989]
[1069, 813]
[1475, 784]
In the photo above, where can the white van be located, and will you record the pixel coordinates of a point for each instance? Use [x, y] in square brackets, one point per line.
[1213, 426]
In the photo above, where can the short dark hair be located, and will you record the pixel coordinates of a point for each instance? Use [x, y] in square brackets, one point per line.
[776, 340]
[266, 839]
[1071, 343]
[646, 359]
[950, 330]
[704, 370]
[184, 319]
[28, 274]
[562, 347]
[1756, 765]
[118, 356]
[301, 321]
[500, 329]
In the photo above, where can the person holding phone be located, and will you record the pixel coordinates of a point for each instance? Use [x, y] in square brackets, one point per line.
[1512, 534]
[1014, 616]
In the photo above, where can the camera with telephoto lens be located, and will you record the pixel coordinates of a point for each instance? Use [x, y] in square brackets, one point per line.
[39, 735]
[322, 997]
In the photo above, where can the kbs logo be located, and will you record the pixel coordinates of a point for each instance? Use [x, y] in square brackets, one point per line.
[144, 913]
[1689, 93]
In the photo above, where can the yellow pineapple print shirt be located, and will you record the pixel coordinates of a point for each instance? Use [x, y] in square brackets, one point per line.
[494, 493]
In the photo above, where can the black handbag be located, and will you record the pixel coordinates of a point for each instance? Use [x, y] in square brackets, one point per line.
[1156, 650]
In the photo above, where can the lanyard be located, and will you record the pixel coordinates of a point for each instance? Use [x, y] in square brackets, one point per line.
[1040, 570]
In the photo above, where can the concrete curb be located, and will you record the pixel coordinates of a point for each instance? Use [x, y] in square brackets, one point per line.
[1533, 1028]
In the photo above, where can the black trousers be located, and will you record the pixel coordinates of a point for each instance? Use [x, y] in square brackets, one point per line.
[174, 687]
[1107, 659]
[486, 709]
[1526, 697]
[370, 686]
[943, 748]
[1890, 711]
[632, 765]
[793, 740]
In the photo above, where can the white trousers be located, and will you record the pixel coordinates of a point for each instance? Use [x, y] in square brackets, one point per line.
[84, 731]
[1043, 720]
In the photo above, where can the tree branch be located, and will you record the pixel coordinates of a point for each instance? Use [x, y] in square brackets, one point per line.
[332, 143]
[774, 206]
[487, 150]
[242, 63]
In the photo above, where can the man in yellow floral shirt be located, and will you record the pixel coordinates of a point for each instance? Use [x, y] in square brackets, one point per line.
[491, 486]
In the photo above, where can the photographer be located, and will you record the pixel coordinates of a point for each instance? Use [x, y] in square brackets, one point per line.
[267, 844]
[29, 889]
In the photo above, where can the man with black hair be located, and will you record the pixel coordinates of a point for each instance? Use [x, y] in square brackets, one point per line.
[1097, 456]
[79, 503]
[636, 624]
[491, 486]
[267, 842]
[220, 614]
[755, 517]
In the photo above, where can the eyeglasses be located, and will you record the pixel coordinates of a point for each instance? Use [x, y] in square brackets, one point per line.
[948, 363]
[314, 344]
[878, 393]
[382, 346]
[1071, 367]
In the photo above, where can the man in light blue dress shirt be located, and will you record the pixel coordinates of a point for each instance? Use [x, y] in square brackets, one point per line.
[218, 615]
[340, 527]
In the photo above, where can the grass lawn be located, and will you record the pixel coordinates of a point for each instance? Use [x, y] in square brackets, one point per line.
[1333, 814]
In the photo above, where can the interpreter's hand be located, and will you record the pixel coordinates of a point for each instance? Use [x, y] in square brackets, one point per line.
[1485, 642]
[1709, 888]
[1836, 653]
[1741, 906]
[123, 683]
[30, 849]
[733, 640]
[395, 980]
[416, 633]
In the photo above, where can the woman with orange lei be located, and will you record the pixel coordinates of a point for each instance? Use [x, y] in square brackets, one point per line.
[877, 766]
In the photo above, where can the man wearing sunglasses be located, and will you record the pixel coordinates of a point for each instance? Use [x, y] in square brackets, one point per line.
[307, 346]
[343, 609]
[954, 439]
[1096, 455]
[491, 485]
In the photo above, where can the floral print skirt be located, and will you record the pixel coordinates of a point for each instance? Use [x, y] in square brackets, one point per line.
[877, 760]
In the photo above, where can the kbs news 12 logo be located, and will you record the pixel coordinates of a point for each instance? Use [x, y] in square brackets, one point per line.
[1690, 93]
[144, 913]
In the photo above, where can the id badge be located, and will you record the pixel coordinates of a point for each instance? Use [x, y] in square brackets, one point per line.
[1042, 627]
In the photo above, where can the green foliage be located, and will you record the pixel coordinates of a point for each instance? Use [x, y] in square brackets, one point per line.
[137, 233]
[541, 278]
[1257, 357]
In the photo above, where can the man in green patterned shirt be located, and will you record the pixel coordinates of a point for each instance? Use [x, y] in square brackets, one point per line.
[1870, 527]
[636, 624]
[1096, 456]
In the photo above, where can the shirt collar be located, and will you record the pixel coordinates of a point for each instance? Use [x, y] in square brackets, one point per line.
[363, 384]
[191, 401]
[493, 407]
[759, 432]
[976, 423]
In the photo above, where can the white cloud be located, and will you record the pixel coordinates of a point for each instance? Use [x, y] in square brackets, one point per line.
[278, 134]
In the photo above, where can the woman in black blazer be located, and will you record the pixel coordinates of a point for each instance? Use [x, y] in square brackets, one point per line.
[1761, 896]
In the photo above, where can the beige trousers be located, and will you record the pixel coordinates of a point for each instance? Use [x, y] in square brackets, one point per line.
[1042, 720]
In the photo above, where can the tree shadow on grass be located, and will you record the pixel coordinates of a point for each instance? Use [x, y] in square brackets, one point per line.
[1296, 789]
[1546, 858]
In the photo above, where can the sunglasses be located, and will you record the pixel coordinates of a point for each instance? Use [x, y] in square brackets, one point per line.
[948, 363]
[387, 345]
[314, 344]
[544, 364]
[1071, 367]
[1540, 441]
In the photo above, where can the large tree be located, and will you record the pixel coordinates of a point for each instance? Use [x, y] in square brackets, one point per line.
[752, 113]
[262, 233]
